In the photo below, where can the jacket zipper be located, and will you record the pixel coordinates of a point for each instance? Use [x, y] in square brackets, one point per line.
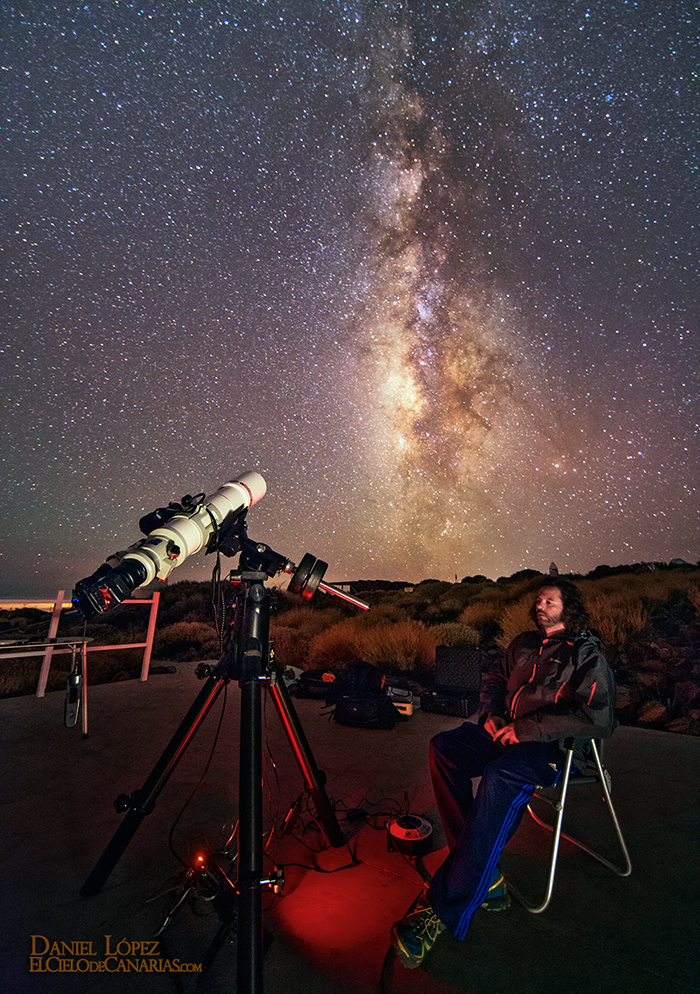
[519, 691]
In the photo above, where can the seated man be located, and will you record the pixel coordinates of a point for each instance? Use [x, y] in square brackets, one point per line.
[552, 684]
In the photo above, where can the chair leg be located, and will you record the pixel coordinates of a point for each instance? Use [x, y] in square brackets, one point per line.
[537, 909]
[626, 869]
[623, 871]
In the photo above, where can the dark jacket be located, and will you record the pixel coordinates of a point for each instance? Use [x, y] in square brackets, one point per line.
[553, 688]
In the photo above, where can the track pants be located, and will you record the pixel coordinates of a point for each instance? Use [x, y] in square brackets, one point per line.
[477, 828]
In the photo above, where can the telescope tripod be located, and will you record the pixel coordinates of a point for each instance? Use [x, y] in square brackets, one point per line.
[246, 658]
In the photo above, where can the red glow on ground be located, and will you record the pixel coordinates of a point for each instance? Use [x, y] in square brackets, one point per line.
[335, 919]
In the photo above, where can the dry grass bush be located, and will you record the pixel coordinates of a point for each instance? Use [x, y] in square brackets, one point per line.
[27, 623]
[424, 595]
[520, 588]
[381, 613]
[453, 605]
[105, 633]
[20, 676]
[694, 596]
[401, 646]
[113, 664]
[619, 605]
[482, 613]
[616, 617]
[616, 611]
[186, 641]
[446, 604]
[431, 591]
[390, 634]
[515, 619]
[487, 591]
[454, 633]
[397, 646]
[654, 585]
[308, 619]
[291, 645]
[456, 598]
[335, 647]
[487, 603]
[186, 600]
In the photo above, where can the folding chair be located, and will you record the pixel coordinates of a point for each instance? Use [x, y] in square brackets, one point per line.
[596, 774]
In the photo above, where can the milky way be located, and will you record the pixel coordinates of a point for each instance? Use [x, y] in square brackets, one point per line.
[428, 325]
[429, 268]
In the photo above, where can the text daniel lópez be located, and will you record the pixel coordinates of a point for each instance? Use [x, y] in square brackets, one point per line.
[86, 956]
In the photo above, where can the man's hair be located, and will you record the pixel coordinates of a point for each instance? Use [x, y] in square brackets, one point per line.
[574, 614]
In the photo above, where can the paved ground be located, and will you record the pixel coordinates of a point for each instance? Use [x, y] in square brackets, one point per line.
[601, 934]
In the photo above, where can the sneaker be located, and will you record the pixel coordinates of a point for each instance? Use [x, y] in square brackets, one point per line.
[415, 934]
[497, 898]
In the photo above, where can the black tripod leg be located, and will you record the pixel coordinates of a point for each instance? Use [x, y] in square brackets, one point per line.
[221, 936]
[250, 846]
[314, 779]
[143, 801]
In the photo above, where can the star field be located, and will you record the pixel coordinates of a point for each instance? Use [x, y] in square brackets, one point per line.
[429, 268]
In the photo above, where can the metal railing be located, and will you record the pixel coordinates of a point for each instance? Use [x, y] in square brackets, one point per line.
[19, 648]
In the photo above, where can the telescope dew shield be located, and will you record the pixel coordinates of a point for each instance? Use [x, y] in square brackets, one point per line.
[169, 546]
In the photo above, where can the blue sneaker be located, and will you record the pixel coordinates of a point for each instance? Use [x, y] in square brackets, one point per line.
[415, 934]
[497, 898]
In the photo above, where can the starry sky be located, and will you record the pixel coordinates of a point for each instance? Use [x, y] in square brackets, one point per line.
[429, 268]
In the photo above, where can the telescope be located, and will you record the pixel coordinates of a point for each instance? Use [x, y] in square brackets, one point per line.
[180, 530]
[172, 534]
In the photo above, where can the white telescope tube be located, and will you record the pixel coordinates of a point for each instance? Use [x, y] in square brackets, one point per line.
[184, 534]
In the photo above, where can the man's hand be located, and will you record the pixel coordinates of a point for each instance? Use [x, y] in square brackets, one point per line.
[506, 735]
[493, 723]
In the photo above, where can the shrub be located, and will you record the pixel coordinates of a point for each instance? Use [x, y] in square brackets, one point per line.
[616, 617]
[186, 641]
[25, 621]
[106, 634]
[335, 647]
[308, 619]
[402, 646]
[621, 605]
[397, 646]
[482, 614]
[654, 585]
[187, 600]
[514, 620]
[455, 633]
[291, 645]
[513, 590]
[20, 676]
[382, 613]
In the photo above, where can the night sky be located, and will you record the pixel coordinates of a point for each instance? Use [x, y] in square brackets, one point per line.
[430, 268]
